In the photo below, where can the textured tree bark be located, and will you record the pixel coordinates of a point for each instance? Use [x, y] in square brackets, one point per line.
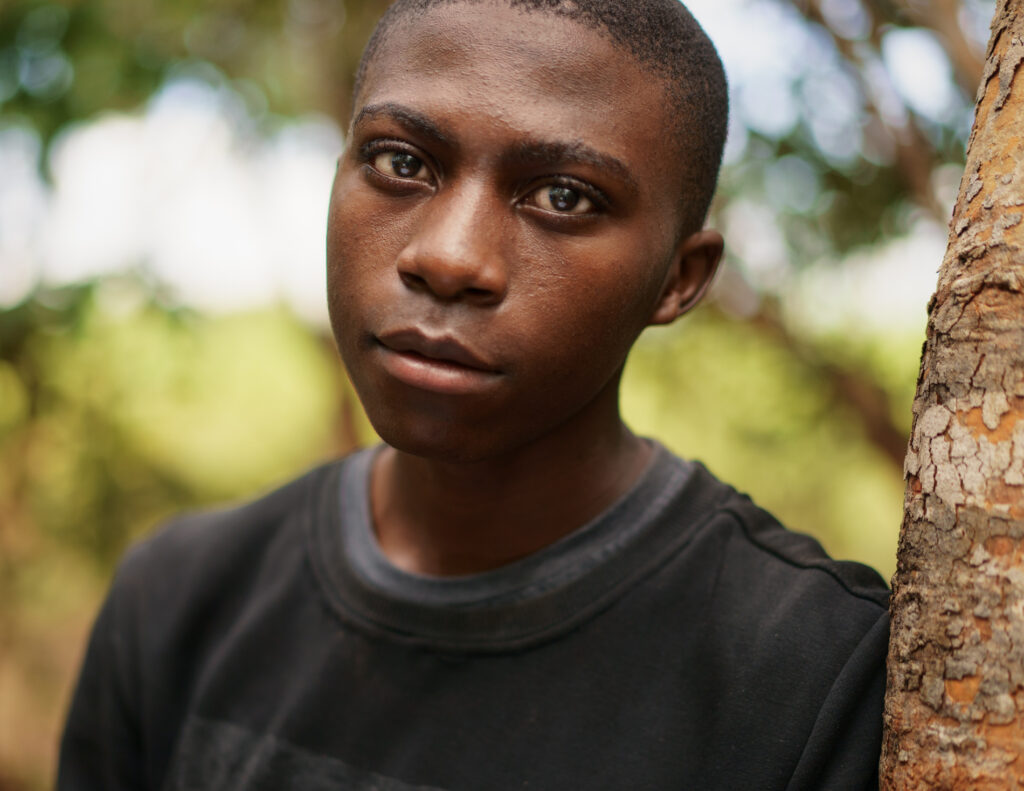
[954, 711]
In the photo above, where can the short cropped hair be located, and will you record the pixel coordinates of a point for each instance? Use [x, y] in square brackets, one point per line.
[667, 42]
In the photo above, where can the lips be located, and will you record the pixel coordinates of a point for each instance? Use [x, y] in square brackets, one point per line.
[441, 364]
[442, 348]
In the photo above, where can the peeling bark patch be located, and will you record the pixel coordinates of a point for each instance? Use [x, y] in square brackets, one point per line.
[997, 428]
[1008, 65]
[934, 421]
[999, 545]
[973, 188]
[1009, 739]
[963, 690]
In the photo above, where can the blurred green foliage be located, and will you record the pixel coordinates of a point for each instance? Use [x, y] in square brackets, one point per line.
[116, 410]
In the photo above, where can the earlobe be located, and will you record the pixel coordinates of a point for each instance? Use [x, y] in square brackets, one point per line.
[692, 270]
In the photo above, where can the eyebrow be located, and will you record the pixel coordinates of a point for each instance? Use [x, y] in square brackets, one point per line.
[529, 152]
[410, 119]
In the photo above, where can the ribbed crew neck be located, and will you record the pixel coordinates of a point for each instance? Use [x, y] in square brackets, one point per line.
[528, 600]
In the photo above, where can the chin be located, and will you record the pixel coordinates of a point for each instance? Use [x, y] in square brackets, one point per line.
[444, 452]
[433, 440]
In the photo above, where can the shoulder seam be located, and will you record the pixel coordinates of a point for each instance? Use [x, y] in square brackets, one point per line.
[817, 566]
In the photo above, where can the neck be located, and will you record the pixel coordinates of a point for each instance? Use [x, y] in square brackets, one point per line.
[444, 518]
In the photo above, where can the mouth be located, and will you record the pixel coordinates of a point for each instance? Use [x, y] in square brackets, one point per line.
[441, 364]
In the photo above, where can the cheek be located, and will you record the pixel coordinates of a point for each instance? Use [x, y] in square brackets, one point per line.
[621, 308]
[589, 322]
[360, 254]
[355, 236]
[612, 300]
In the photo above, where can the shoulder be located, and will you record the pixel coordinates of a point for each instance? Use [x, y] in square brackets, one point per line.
[791, 602]
[798, 638]
[181, 600]
[772, 599]
[213, 564]
[229, 533]
[796, 556]
[770, 567]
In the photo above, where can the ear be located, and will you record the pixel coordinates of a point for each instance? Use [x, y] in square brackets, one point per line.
[693, 267]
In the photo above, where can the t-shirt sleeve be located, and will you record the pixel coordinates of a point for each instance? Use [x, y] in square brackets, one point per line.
[101, 746]
[844, 746]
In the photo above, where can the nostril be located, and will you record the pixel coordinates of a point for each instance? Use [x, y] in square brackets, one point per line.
[412, 280]
[445, 286]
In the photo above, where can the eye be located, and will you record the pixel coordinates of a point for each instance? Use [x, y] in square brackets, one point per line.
[400, 165]
[561, 199]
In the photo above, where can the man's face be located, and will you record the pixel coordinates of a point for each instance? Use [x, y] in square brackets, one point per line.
[503, 225]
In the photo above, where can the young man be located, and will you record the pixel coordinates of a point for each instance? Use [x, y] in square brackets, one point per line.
[514, 591]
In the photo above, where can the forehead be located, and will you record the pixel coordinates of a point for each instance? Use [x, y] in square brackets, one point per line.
[535, 47]
[533, 72]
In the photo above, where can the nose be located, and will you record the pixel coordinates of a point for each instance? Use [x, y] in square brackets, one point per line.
[455, 250]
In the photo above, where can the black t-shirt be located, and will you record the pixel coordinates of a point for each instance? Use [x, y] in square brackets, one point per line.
[681, 640]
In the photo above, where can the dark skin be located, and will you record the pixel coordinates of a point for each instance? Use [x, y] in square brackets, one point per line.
[504, 223]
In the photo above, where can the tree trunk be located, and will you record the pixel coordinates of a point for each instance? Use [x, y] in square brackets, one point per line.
[954, 710]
